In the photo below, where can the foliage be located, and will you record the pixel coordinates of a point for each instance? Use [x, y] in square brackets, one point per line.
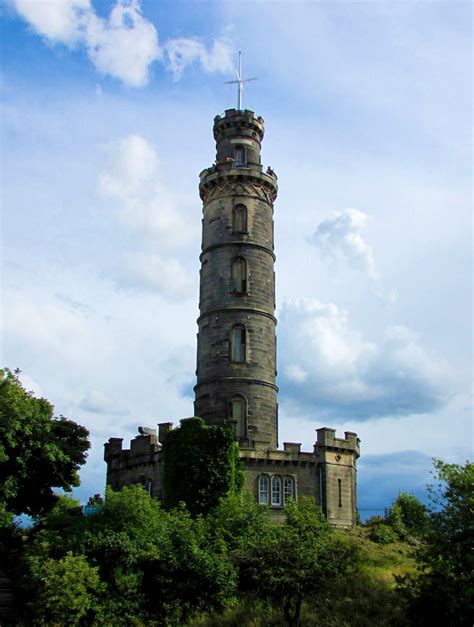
[291, 562]
[152, 566]
[382, 534]
[444, 591]
[201, 464]
[69, 592]
[37, 451]
[408, 516]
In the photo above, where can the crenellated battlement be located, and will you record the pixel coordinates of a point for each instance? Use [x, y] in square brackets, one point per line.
[326, 437]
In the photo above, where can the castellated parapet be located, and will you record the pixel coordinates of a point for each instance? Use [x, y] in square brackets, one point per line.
[236, 344]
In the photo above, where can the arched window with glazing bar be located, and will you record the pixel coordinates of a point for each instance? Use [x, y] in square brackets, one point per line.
[239, 219]
[238, 414]
[238, 343]
[288, 489]
[238, 275]
[263, 489]
[276, 490]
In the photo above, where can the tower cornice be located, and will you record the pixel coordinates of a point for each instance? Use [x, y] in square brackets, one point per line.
[244, 244]
[221, 175]
[248, 310]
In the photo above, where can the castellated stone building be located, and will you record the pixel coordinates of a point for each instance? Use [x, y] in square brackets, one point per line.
[236, 347]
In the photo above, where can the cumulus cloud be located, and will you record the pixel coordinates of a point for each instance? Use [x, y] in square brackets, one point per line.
[340, 237]
[125, 44]
[98, 403]
[184, 51]
[330, 369]
[131, 178]
[154, 272]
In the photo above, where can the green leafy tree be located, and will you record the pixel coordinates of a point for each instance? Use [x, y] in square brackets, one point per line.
[408, 516]
[154, 567]
[38, 452]
[296, 560]
[201, 464]
[69, 593]
[444, 591]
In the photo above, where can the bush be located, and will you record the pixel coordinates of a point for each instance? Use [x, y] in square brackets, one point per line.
[382, 534]
[408, 516]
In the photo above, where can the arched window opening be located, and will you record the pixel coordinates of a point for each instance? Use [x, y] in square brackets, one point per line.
[238, 412]
[239, 156]
[238, 343]
[339, 487]
[263, 490]
[238, 275]
[288, 489]
[276, 490]
[239, 219]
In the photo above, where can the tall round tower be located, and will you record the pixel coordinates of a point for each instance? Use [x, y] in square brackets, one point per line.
[236, 353]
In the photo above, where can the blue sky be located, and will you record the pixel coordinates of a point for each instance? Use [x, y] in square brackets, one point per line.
[106, 124]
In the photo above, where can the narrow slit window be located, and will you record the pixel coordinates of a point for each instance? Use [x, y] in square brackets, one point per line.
[238, 272]
[276, 491]
[238, 414]
[239, 219]
[238, 344]
[288, 489]
[339, 487]
[240, 156]
[263, 490]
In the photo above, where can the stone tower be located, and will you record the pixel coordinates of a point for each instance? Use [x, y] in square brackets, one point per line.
[236, 353]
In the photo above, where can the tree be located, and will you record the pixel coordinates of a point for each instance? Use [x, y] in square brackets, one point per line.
[150, 566]
[300, 559]
[444, 591]
[201, 464]
[38, 452]
[408, 516]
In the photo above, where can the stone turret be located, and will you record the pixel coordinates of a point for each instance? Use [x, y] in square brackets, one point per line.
[236, 354]
[236, 348]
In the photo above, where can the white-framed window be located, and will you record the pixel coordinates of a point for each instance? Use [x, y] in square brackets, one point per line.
[238, 275]
[263, 485]
[238, 412]
[288, 489]
[276, 490]
[239, 156]
[238, 341]
[239, 219]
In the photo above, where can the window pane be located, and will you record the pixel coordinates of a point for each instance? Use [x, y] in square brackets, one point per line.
[240, 218]
[288, 489]
[239, 275]
[276, 491]
[238, 344]
[263, 490]
[238, 414]
[239, 156]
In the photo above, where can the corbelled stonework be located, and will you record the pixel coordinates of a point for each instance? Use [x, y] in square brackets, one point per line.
[236, 349]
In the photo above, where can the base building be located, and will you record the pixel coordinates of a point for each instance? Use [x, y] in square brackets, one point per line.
[236, 344]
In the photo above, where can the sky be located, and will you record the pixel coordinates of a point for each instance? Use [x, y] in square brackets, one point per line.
[107, 112]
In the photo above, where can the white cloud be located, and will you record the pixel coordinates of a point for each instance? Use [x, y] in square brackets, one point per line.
[123, 46]
[131, 177]
[333, 370]
[98, 403]
[60, 21]
[184, 51]
[340, 237]
[155, 272]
